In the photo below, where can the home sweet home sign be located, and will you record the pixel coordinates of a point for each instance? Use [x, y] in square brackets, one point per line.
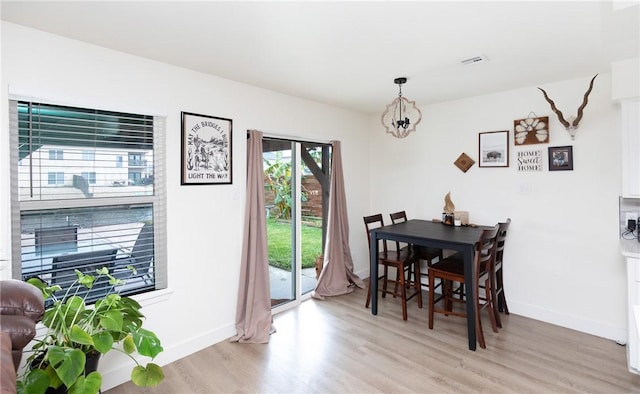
[529, 160]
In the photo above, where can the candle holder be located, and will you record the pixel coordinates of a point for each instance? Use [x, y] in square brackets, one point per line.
[448, 218]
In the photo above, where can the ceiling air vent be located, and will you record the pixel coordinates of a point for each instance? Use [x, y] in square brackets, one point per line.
[474, 60]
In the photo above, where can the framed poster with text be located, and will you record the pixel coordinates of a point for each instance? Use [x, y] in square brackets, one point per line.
[206, 150]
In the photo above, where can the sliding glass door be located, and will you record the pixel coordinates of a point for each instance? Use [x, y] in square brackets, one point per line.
[296, 195]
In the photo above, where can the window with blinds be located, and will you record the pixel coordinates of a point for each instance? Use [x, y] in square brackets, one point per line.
[88, 187]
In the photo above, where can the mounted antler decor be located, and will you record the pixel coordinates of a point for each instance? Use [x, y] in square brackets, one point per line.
[572, 124]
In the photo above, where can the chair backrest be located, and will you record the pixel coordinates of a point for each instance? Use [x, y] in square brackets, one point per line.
[486, 250]
[372, 222]
[64, 266]
[398, 217]
[502, 236]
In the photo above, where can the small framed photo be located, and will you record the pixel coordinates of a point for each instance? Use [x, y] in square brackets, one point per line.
[561, 158]
[493, 149]
[206, 150]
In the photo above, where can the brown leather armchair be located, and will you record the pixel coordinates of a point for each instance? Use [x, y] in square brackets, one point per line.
[21, 307]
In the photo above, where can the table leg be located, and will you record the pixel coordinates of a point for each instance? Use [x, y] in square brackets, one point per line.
[373, 272]
[470, 296]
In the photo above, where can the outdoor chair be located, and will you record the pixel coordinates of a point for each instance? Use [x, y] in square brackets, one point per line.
[141, 257]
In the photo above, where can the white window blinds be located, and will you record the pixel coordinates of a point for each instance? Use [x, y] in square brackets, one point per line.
[87, 192]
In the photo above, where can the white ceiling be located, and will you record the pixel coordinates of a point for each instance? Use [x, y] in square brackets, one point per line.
[348, 53]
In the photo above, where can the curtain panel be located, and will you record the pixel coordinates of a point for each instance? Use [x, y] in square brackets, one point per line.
[337, 276]
[254, 321]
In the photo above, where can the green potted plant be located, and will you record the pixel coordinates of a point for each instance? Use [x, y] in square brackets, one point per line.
[77, 335]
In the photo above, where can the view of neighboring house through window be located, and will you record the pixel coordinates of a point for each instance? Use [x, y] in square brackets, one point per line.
[55, 178]
[88, 155]
[90, 177]
[56, 154]
[76, 205]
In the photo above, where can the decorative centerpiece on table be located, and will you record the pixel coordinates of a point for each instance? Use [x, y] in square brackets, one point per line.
[448, 210]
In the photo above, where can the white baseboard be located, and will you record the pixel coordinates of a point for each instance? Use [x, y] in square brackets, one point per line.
[599, 329]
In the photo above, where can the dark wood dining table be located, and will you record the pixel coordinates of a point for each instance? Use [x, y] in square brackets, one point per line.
[437, 235]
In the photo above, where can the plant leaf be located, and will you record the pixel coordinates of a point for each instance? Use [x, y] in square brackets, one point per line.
[150, 376]
[54, 379]
[85, 280]
[87, 385]
[128, 345]
[78, 335]
[111, 320]
[68, 363]
[102, 271]
[102, 341]
[147, 343]
[35, 382]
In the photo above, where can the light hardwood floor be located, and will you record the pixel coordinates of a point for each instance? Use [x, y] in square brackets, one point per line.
[338, 346]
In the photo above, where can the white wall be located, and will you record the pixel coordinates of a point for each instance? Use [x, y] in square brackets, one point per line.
[562, 260]
[625, 79]
[204, 222]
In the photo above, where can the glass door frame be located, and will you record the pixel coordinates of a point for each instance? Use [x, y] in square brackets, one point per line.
[297, 146]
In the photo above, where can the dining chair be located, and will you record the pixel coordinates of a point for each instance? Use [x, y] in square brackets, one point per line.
[420, 252]
[498, 285]
[400, 258]
[449, 270]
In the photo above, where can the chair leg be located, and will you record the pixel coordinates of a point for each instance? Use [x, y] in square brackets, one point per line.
[416, 281]
[412, 274]
[496, 315]
[397, 282]
[479, 333]
[504, 302]
[494, 298]
[488, 293]
[403, 292]
[366, 305]
[447, 292]
[502, 299]
[431, 300]
[384, 282]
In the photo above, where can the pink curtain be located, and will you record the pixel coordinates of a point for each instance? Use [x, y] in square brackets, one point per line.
[337, 275]
[254, 322]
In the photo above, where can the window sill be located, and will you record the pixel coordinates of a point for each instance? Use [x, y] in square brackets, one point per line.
[153, 297]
